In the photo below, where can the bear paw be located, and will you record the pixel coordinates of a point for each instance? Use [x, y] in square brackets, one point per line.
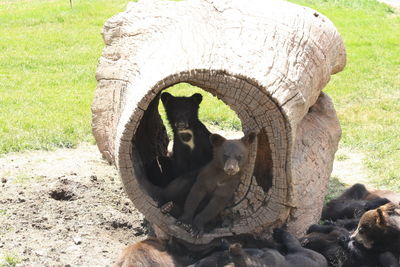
[167, 207]
[196, 232]
[279, 234]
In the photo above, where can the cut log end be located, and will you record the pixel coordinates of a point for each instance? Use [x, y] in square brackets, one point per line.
[146, 139]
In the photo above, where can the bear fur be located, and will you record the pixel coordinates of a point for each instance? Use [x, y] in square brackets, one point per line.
[191, 146]
[335, 244]
[286, 253]
[216, 182]
[295, 255]
[379, 229]
[352, 204]
[149, 252]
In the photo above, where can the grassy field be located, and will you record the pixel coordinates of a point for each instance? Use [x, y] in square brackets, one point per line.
[367, 93]
[48, 57]
[49, 53]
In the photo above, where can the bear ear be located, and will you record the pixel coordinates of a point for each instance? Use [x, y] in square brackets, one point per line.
[381, 220]
[165, 97]
[248, 139]
[197, 98]
[216, 139]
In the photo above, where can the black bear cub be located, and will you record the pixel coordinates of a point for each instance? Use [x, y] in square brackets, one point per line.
[216, 182]
[191, 148]
[352, 204]
[295, 256]
[286, 251]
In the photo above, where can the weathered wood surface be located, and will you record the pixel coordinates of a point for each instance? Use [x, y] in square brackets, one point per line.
[268, 60]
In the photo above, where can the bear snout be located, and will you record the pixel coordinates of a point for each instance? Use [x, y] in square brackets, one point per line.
[357, 238]
[231, 167]
[182, 125]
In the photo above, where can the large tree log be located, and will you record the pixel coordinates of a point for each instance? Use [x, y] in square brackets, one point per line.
[268, 60]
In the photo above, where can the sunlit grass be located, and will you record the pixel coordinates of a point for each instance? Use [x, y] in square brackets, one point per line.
[367, 93]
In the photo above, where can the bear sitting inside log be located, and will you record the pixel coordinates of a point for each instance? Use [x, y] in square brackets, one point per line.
[191, 148]
[216, 182]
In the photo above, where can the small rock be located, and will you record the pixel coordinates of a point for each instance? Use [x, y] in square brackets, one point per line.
[93, 178]
[40, 252]
[77, 240]
[3, 180]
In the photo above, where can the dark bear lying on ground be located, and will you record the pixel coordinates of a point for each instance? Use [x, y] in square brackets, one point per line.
[340, 250]
[379, 229]
[351, 205]
[294, 255]
[216, 182]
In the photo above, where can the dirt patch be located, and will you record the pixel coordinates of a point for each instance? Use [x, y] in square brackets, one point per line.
[349, 168]
[64, 208]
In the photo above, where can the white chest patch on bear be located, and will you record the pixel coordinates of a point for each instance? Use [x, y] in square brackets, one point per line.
[186, 137]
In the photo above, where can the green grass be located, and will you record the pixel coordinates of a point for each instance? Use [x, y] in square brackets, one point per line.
[335, 188]
[48, 57]
[49, 53]
[10, 260]
[367, 93]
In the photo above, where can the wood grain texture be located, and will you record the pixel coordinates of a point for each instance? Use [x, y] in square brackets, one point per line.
[268, 60]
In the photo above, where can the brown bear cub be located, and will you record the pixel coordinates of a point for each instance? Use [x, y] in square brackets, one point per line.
[216, 182]
[149, 252]
[191, 147]
[379, 229]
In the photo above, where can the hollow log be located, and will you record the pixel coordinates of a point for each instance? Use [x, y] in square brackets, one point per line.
[267, 60]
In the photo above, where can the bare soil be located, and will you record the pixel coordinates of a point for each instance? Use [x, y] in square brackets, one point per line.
[64, 208]
[68, 208]
[349, 168]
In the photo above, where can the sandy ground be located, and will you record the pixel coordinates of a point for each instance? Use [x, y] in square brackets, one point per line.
[67, 207]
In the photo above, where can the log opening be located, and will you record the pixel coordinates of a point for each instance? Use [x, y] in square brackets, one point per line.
[257, 111]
